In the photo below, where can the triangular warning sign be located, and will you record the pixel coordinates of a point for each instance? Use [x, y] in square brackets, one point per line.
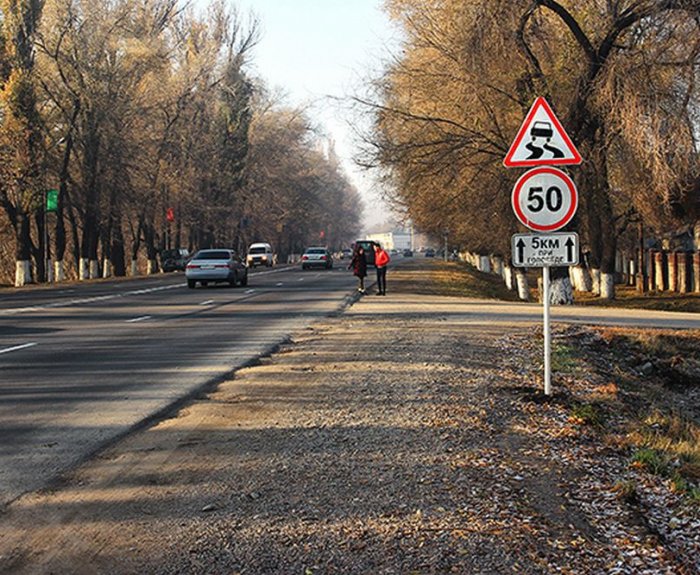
[541, 141]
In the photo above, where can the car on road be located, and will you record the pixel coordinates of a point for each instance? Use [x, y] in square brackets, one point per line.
[408, 253]
[219, 265]
[316, 257]
[174, 260]
[260, 254]
[429, 253]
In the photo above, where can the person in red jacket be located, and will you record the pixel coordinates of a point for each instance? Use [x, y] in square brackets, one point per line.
[381, 261]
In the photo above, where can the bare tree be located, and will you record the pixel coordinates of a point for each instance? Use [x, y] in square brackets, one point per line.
[620, 74]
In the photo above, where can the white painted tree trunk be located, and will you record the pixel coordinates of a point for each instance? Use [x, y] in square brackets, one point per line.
[49, 271]
[23, 273]
[595, 281]
[485, 264]
[508, 277]
[521, 282]
[497, 264]
[134, 268]
[152, 267]
[107, 269]
[580, 278]
[59, 271]
[94, 269]
[607, 286]
[84, 271]
[561, 292]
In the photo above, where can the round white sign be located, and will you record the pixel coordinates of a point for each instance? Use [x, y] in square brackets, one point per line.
[544, 199]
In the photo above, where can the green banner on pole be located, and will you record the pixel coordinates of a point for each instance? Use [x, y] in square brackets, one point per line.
[51, 200]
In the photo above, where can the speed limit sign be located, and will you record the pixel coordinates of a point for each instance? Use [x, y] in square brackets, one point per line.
[544, 199]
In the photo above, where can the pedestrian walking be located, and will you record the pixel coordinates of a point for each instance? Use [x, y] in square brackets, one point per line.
[381, 261]
[358, 265]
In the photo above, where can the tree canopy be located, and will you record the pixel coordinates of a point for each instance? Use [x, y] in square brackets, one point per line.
[621, 75]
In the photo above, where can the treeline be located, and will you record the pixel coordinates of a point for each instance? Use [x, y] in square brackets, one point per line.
[142, 117]
[623, 77]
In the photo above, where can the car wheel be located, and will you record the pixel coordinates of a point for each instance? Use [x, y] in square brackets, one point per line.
[204, 284]
[191, 284]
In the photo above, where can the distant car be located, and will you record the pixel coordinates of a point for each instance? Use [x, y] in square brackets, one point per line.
[174, 260]
[260, 254]
[429, 253]
[316, 257]
[408, 253]
[345, 254]
[216, 266]
[368, 246]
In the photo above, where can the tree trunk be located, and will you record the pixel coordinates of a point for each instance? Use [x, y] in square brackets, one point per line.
[580, 278]
[23, 268]
[521, 282]
[118, 251]
[560, 291]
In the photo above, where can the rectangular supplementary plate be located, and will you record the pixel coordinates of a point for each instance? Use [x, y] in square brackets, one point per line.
[539, 250]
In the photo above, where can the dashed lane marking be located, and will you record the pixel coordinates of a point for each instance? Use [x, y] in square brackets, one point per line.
[17, 347]
[136, 319]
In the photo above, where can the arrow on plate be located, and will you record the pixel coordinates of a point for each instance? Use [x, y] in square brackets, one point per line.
[570, 249]
[521, 250]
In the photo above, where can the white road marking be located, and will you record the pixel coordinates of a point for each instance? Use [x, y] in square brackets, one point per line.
[250, 291]
[135, 319]
[207, 302]
[86, 300]
[279, 284]
[17, 347]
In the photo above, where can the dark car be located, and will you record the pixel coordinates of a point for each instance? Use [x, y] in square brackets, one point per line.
[174, 260]
[216, 266]
[408, 253]
[316, 257]
[429, 253]
[368, 246]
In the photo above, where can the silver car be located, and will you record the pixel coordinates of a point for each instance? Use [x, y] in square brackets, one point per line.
[316, 258]
[216, 266]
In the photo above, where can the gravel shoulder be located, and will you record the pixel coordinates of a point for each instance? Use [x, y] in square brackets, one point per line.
[398, 443]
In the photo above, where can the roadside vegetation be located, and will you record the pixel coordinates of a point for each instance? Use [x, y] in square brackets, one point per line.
[649, 405]
[621, 77]
[131, 127]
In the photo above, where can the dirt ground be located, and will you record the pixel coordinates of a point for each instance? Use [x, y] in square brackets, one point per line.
[407, 442]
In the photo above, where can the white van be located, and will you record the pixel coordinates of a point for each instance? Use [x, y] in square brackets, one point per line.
[260, 254]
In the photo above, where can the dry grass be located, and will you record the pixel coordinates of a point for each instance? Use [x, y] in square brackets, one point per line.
[629, 297]
[663, 427]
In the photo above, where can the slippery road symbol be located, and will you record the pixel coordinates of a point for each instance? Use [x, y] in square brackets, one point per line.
[542, 130]
[541, 141]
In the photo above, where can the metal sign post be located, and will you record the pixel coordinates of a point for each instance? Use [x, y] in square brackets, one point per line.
[544, 200]
[547, 333]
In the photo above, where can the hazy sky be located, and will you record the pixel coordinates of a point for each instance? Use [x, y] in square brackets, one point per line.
[317, 50]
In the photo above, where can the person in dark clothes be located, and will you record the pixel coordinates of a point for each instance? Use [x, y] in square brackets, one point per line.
[358, 265]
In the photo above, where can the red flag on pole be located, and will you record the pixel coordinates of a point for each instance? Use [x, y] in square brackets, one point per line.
[170, 215]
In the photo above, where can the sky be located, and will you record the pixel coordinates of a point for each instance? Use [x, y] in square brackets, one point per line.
[316, 51]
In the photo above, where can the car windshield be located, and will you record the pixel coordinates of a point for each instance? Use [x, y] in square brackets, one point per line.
[213, 255]
[316, 251]
[257, 251]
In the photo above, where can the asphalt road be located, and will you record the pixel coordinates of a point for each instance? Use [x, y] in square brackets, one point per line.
[82, 365]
